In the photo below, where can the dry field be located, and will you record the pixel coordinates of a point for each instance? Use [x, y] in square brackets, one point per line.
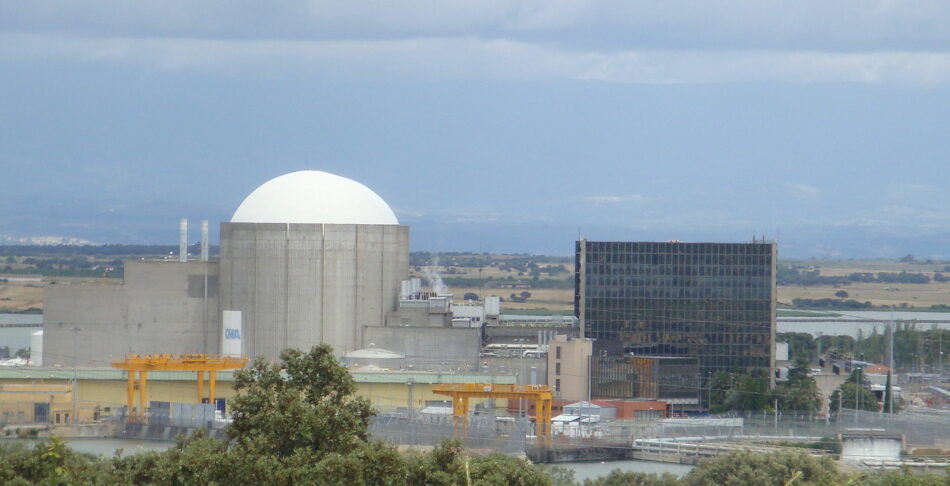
[558, 300]
[879, 294]
[20, 296]
[914, 295]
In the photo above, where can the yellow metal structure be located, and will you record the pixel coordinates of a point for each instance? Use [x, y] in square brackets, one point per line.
[199, 363]
[462, 392]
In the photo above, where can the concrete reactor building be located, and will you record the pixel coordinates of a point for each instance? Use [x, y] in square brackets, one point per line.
[307, 258]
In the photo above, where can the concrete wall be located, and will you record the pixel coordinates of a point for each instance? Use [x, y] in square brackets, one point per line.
[856, 447]
[569, 368]
[417, 317]
[161, 307]
[519, 367]
[432, 343]
[508, 334]
[299, 285]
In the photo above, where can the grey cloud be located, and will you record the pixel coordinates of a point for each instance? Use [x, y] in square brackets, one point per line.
[845, 25]
[469, 57]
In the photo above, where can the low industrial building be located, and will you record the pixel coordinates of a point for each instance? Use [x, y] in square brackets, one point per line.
[44, 395]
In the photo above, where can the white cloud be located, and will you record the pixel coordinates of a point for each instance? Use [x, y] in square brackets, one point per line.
[804, 192]
[611, 199]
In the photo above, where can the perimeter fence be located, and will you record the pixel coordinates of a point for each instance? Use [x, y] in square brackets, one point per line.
[511, 435]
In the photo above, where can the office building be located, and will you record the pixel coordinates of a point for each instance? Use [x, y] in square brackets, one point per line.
[711, 301]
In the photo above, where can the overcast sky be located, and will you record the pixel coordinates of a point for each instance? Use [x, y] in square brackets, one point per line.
[489, 125]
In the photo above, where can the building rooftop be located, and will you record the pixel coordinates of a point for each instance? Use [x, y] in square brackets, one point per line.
[376, 376]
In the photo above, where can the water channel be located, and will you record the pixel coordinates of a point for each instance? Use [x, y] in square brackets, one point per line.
[849, 322]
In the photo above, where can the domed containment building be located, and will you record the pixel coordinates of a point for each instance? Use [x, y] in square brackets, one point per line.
[309, 258]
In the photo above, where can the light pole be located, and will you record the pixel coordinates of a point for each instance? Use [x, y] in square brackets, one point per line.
[520, 342]
[75, 386]
[409, 384]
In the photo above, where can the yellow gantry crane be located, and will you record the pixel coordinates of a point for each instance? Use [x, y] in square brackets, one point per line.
[462, 392]
[199, 363]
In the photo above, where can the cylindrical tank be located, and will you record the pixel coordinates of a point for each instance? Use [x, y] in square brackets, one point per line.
[36, 348]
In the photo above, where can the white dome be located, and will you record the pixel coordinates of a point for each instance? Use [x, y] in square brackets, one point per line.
[315, 197]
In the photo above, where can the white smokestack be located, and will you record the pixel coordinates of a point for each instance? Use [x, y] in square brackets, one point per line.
[204, 240]
[183, 240]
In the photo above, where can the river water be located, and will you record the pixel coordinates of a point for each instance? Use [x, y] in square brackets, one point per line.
[18, 337]
[104, 447]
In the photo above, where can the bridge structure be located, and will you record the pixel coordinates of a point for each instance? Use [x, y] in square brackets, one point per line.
[461, 393]
[138, 366]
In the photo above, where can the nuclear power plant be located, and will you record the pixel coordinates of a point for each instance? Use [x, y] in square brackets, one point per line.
[307, 258]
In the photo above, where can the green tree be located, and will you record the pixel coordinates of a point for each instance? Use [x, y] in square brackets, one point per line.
[800, 393]
[50, 463]
[751, 394]
[854, 394]
[304, 401]
[447, 465]
[630, 478]
[719, 386]
[748, 469]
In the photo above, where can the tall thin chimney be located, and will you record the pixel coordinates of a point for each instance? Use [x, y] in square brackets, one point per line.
[204, 240]
[183, 240]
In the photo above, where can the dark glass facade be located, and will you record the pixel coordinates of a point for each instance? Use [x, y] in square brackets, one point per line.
[652, 377]
[710, 301]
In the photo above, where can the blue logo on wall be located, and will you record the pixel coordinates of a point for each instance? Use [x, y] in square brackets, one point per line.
[232, 334]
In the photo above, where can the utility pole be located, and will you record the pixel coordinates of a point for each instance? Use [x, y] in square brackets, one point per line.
[940, 351]
[521, 375]
[588, 388]
[840, 405]
[75, 386]
[857, 395]
[776, 417]
[412, 426]
[890, 365]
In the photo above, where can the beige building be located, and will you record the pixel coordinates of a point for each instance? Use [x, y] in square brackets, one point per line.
[569, 367]
[44, 395]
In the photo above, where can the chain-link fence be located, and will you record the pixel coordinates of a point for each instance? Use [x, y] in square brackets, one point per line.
[515, 435]
[503, 434]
